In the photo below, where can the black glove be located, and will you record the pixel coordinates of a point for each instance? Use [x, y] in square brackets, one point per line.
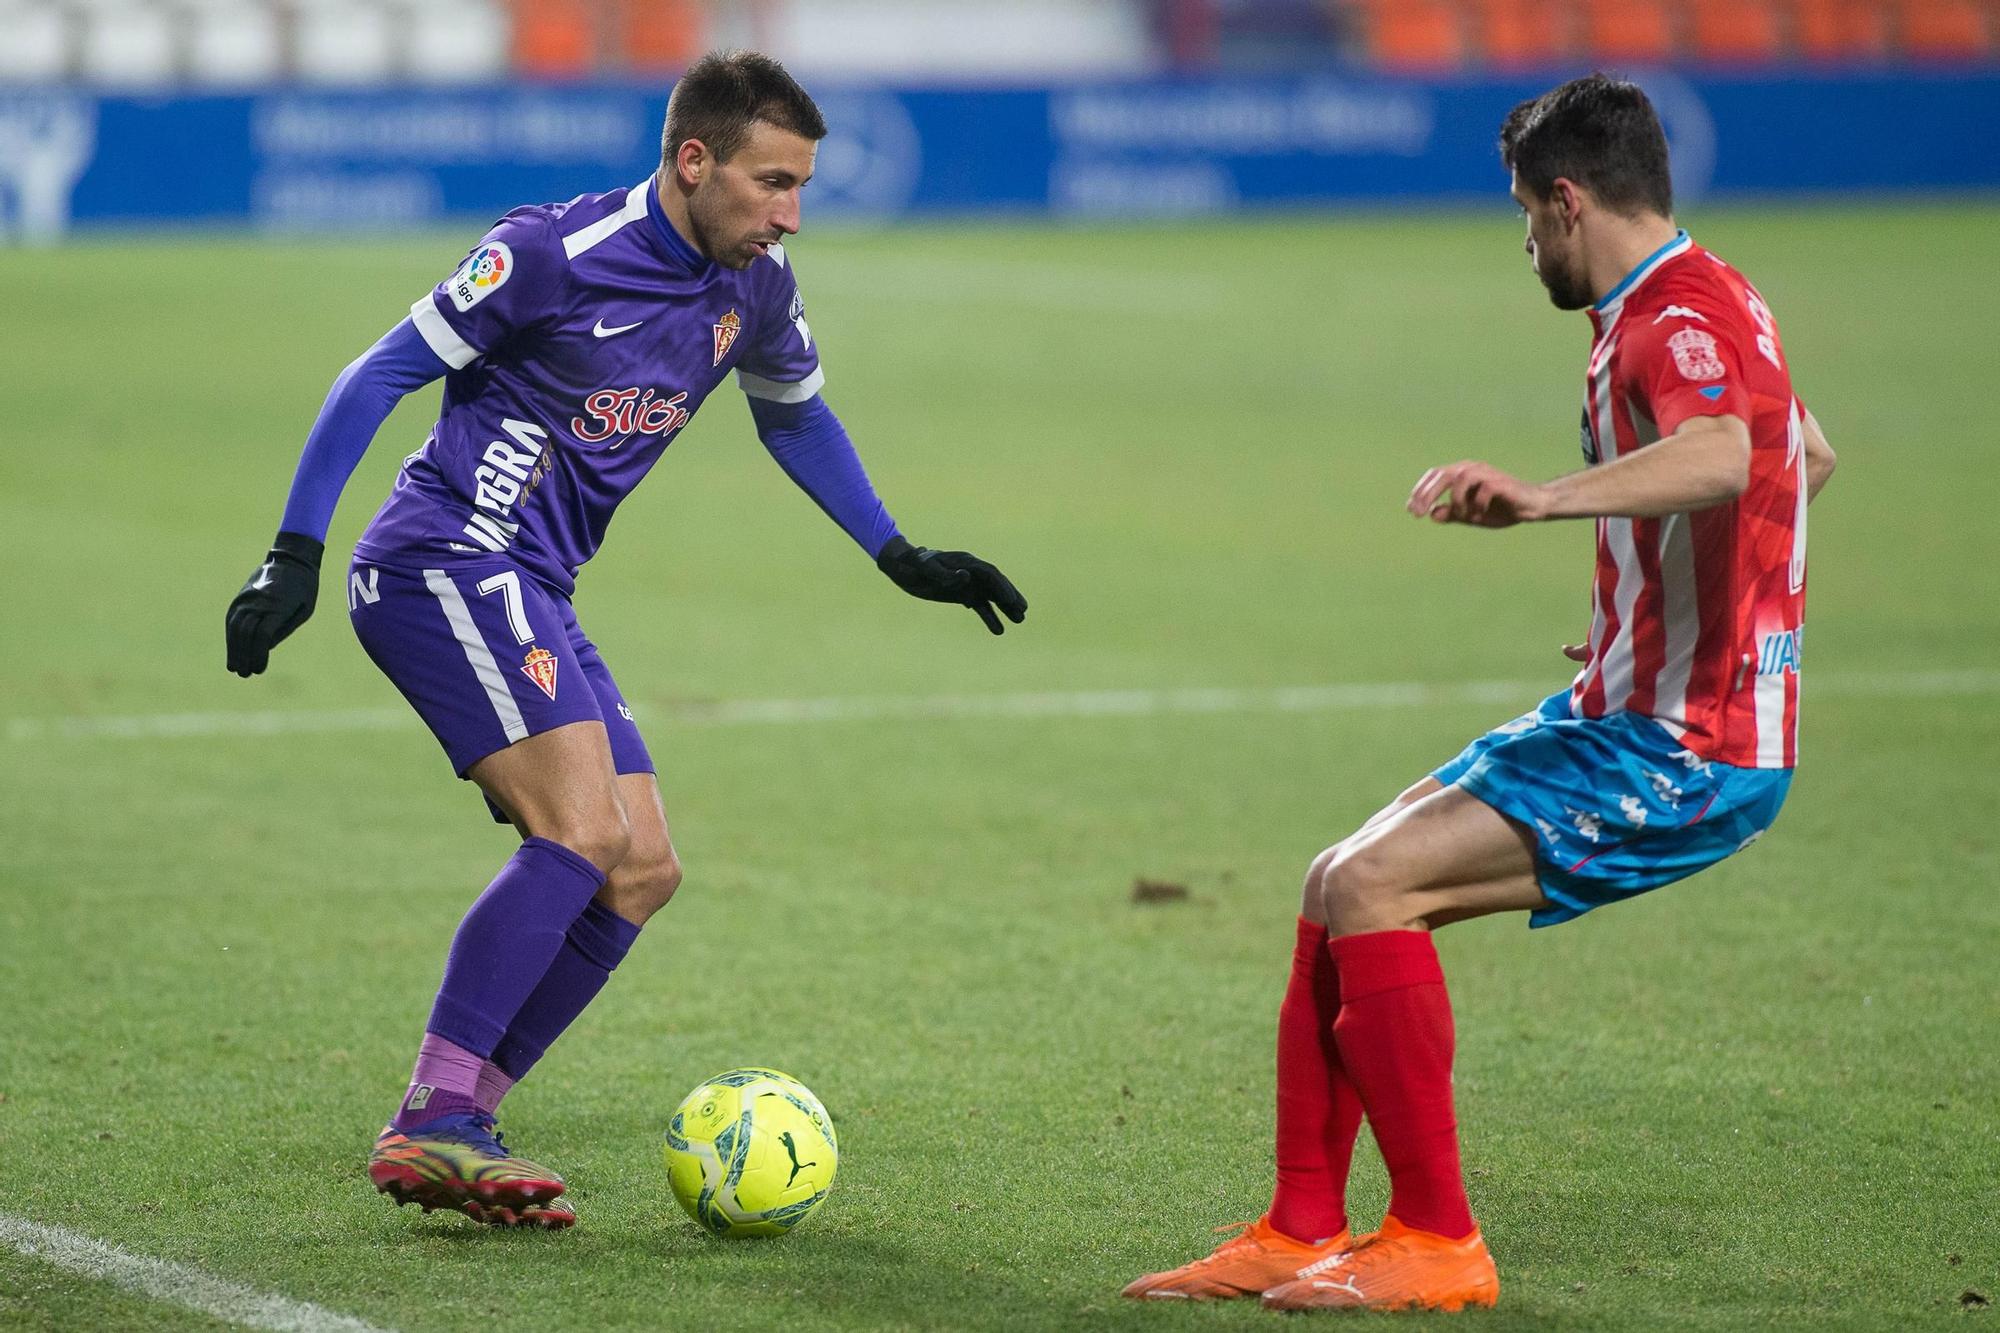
[276, 601]
[952, 576]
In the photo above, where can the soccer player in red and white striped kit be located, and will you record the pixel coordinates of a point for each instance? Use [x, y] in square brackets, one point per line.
[1672, 749]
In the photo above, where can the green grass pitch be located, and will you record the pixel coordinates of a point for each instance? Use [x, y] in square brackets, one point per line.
[1765, 1098]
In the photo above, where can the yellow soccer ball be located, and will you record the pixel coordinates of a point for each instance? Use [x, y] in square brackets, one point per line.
[750, 1153]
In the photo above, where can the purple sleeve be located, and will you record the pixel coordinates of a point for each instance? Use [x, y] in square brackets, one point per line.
[780, 364]
[811, 446]
[512, 279]
[360, 400]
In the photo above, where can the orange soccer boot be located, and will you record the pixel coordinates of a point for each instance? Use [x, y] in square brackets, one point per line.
[1397, 1268]
[1255, 1259]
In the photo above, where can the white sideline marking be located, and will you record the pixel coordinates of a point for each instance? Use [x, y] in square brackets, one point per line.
[1518, 694]
[176, 1284]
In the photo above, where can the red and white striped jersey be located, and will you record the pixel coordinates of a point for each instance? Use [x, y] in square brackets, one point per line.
[1697, 619]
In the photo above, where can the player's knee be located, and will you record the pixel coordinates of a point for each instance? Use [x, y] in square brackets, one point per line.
[1312, 904]
[644, 883]
[603, 838]
[1357, 881]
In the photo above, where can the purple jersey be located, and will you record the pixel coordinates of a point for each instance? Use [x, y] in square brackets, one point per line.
[582, 337]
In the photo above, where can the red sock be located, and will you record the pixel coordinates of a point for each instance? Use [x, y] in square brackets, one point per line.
[1319, 1111]
[1395, 1038]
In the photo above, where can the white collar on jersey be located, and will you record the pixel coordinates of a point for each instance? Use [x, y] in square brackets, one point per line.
[1607, 308]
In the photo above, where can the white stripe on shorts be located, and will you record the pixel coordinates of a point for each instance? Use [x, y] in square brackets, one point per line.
[478, 654]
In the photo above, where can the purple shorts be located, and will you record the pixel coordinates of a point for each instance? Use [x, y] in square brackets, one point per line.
[487, 655]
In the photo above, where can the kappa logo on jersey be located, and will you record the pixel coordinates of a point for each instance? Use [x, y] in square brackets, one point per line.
[481, 275]
[726, 330]
[627, 412]
[1694, 353]
[1680, 310]
[540, 667]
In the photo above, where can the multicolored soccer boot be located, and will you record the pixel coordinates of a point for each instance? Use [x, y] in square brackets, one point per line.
[1397, 1268]
[551, 1216]
[458, 1162]
[1248, 1264]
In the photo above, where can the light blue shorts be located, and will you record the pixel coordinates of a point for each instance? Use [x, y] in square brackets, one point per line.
[1616, 804]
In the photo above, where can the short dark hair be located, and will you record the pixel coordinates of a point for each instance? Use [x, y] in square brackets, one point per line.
[724, 93]
[1601, 133]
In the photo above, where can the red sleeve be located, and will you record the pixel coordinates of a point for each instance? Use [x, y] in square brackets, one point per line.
[1684, 363]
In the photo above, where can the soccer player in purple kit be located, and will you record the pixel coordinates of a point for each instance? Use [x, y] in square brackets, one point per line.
[575, 340]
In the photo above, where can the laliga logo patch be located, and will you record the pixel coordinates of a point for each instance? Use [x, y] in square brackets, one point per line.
[489, 266]
[540, 667]
[1694, 353]
[726, 330]
[482, 273]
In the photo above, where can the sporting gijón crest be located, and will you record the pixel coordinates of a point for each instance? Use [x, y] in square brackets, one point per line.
[726, 330]
[540, 667]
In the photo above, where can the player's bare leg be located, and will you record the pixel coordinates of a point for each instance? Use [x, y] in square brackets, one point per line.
[597, 941]
[1438, 855]
[561, 785]
[646, 879]
[440, 1151]
[595, 944]
[1318, 1116]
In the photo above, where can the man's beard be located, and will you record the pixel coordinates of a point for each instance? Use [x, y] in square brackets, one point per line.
[1566, 290]
[704, 241]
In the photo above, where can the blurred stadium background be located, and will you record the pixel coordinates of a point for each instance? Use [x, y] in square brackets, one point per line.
[154, 43]
[343, 114]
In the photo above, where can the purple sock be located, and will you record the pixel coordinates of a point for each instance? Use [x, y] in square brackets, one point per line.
[503, 947]
[597, 942]
[445, 1081]
[493, 1084]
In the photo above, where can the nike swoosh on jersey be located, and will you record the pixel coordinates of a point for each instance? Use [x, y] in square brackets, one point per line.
[600, 331]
